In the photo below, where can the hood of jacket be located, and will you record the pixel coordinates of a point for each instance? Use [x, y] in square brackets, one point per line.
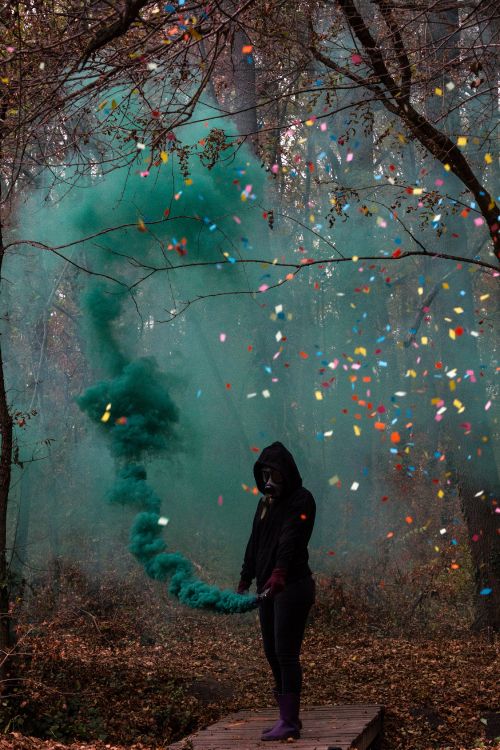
[278, 457]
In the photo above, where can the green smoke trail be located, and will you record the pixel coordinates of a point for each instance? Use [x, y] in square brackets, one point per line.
[138, 415]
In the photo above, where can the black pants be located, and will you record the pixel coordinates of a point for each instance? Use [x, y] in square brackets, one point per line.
[282, 622]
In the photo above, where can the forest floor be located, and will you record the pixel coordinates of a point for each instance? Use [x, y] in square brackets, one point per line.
[96, 679]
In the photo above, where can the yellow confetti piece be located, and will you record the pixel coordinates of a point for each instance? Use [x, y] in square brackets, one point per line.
[318, 395]
[333, 480]
[420, 290]
[438, 91]
[452, 334]
[447, 168]
[360, 350]
[189, 181]
[461, 140]
[164, 156]
[411, 374]
[483, 297]
[355, 258]
[141, 225]
[453, 385]
[424, 340]
[445, 285]
[309, 123]
[101, 105]
[488, 158]
[458, 310]
[418, 191]
[440, 493]
[357, 430]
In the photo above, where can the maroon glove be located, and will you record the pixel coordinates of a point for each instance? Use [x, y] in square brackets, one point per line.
[243, 587]
[276, 582]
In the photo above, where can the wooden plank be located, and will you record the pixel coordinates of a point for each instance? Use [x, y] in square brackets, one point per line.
[343, 727]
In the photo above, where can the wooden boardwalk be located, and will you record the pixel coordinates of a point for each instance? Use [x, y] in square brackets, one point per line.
[350, 727]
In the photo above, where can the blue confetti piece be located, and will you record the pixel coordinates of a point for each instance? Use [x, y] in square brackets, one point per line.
[485, 592]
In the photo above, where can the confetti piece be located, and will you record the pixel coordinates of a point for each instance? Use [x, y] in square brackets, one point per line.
[409, 519]
[357, 430]
[247, 49]
[220, 500]
[438, 91]
[354, 486]
[395, 437]
[318, 395]
[461, 140]
[485, 591]
[222, 337]
[333, 480]
[488, 158]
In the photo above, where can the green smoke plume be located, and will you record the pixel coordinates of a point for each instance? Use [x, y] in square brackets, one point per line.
[133, 405]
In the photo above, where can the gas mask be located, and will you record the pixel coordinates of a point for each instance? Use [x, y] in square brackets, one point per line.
[273, 482]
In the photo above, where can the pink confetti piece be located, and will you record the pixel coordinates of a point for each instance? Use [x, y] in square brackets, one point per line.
[479, 221]
[263, 288]
[222, 337]
[487, 405]
[275, 169]
[220, 500]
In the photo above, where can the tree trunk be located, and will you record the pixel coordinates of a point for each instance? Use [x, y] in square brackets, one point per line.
[6, 432]
[245, 88]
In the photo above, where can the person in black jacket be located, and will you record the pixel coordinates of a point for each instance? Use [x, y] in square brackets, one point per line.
[277, 556]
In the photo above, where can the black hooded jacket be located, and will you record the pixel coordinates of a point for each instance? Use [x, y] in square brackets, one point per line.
[279, 539]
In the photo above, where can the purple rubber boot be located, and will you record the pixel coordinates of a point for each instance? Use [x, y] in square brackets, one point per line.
[287, 726]
[276, 694]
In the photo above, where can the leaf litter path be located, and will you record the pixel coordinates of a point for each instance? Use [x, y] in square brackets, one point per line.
[196, 668]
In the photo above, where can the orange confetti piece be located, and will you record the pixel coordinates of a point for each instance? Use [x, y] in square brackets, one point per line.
[379, 425]
[409, 519]
[247, 48]
[389, 534]
[304, 355]
[395, 437]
